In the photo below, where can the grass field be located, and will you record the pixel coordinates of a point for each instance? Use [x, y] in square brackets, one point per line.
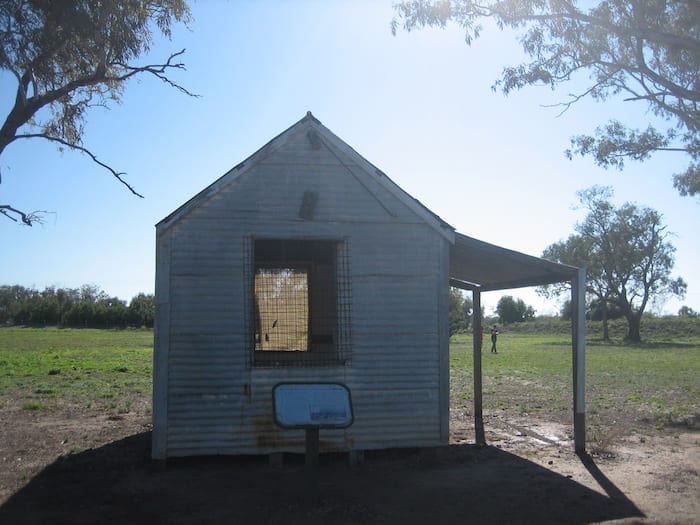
[654, 384]
[628, 388]
[42, 368]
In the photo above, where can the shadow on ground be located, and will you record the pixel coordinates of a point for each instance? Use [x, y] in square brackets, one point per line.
[456, 484]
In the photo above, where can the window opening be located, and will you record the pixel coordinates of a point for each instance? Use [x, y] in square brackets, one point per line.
[300, 302]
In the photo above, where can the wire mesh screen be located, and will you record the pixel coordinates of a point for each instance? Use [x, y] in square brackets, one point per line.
[300, 302]
[344, 300]
[281, 309]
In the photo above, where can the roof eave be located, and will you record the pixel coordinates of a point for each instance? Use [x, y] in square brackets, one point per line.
[508, 269]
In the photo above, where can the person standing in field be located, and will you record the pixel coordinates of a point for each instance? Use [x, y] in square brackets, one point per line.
[494, 336]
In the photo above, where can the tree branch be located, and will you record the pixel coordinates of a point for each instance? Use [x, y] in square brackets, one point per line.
[27, 218]
[157, 70]
[116, 174]
[21, 113]
[573, 14]
[575, 98]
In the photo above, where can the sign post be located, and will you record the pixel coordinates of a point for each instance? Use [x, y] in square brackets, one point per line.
[312, 406]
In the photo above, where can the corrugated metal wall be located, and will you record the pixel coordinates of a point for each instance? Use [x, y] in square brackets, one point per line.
[210, 399]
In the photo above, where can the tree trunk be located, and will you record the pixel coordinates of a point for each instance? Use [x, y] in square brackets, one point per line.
[633, 325]
[606, 331]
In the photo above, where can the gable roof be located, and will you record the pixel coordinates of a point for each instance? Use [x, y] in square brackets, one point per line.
[318, 135]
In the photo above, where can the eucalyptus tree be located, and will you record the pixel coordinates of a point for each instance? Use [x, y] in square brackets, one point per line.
[511, 310]
[627, 255]
[66, 56]
[645, 51]
[687, 311]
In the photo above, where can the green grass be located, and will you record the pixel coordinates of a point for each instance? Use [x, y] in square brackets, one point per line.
[42, 368]
[654, 384]
[33, 405]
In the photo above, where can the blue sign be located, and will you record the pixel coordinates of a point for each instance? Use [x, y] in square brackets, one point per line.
[312, 405]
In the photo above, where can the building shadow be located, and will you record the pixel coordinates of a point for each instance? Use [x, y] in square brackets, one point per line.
[613, 492]
[117, 483]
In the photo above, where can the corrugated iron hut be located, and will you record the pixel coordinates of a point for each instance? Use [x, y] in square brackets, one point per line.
[305, 263]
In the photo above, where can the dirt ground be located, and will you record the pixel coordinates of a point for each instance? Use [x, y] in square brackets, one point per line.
[83, 466]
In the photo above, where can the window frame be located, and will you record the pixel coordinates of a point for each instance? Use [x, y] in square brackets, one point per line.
[332, 248]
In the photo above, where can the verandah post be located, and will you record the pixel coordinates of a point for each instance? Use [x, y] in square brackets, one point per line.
[479, 434]
[578, 343]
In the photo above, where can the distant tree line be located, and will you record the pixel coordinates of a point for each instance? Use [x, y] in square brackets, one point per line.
[84, 307]
[509, 310]
[595, 311]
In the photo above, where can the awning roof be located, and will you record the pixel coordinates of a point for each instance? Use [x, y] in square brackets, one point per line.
[479, 265]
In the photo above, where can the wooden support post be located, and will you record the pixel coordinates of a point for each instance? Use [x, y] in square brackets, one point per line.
[312, 406]
[578, 343]
[479, 434]
[311, 465]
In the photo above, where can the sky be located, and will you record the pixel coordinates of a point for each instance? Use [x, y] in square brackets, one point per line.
[417, 105]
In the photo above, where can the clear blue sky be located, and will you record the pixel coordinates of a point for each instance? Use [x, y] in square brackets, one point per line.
[419, 106]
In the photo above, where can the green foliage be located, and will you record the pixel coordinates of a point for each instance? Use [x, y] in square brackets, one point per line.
[598, 311]
[627, 256]
[512, 310]
[460, 311]
[87, 306]
[687, 311]
[595, 311]
[647, 52]
[141, 310]
[66, 57]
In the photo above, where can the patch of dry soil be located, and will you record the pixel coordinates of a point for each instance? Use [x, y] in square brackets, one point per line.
[87, 466]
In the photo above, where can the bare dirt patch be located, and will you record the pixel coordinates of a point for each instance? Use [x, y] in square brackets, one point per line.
[66, 465]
